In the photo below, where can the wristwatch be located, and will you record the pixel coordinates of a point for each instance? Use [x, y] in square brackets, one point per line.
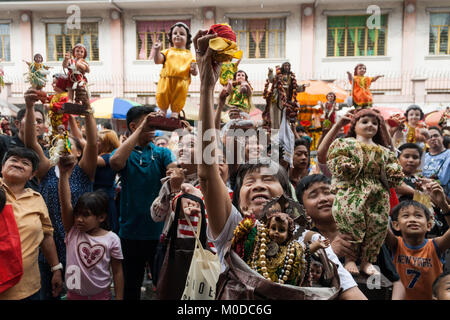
[59, 266]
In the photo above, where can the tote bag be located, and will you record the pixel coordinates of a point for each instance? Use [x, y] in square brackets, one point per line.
[11, 268]
[204, 271]
[178, 257]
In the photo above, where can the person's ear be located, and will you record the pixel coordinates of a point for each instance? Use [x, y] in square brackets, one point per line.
[102, 217]
[429, 225]
[33, 174]
[17, 123]
[395, 225]
[132, 126]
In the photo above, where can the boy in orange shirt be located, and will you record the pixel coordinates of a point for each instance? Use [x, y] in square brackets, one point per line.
[418, 260]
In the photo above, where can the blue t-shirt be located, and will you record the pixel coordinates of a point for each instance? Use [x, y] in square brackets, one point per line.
[438, 165]
[141, 183]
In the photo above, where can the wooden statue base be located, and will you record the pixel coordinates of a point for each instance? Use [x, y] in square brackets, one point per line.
[75, 108]
[166, 124]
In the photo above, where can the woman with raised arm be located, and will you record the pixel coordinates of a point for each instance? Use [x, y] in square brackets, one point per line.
[256, 184]
[81, 179]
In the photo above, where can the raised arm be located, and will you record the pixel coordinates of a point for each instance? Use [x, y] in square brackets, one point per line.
[65, 62]
[223, 96]
[330, 136]
[66, 166]
[75, 131]
[119, 159]
[212, 186]
[30, 133]
[88, 162]
[158, 57]
[377, 77]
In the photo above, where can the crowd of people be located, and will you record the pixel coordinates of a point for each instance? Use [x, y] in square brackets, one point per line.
[375, 200]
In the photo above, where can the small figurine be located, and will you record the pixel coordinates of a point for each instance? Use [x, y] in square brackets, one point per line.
[316, 273]
[60, 145]
[76, 64]
[56, 102]
[271, 250]
[227, 72]
[363, 170]
[37, 72]
[240, 92]
[280, 92]
[409, 128]
[5, 129]
[178, 66]
[329, 109]
[445, 119]
[362, 97]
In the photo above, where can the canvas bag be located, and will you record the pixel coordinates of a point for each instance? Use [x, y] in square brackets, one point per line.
[204, 271]
[11, 267]
[177, 260]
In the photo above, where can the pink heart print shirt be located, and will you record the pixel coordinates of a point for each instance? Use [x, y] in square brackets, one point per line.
[88, 261]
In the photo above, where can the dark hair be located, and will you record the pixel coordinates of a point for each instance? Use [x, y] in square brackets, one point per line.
[356, 68]
[136, 112]
[446, 142]
[408, 203]
[300, 128]
[96, 203]
[308, 181]
[281, 175]
[334, 95]
[2, 199]
[414, 107]
[242, 71]
[437, 281]
[107, 125]
[24, 153]
[302, 142]
[21, 113]
[436, 128]
[188, 32]
[410, 145]
[381, 137]
[37, 55]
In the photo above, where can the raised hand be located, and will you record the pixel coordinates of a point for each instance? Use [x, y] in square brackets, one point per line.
[208, 67]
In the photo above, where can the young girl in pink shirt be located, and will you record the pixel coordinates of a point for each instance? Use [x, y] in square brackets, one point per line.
[92, 251]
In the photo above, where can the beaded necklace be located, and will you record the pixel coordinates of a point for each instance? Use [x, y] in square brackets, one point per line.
[259, 259]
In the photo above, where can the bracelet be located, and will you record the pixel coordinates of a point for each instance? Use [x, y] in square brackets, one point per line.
[59, 266]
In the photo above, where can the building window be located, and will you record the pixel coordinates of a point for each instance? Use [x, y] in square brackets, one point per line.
[148, 32]
[5, 53]
[60, 40]
[349, 36]
[260, 38]
[439, 25]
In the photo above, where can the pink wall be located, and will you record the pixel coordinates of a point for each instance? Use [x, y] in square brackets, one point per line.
[116, 32]
[409, 37]
[307, 42]
[26, 38]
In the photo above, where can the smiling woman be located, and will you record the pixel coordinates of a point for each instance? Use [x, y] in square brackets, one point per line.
[33, 222]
